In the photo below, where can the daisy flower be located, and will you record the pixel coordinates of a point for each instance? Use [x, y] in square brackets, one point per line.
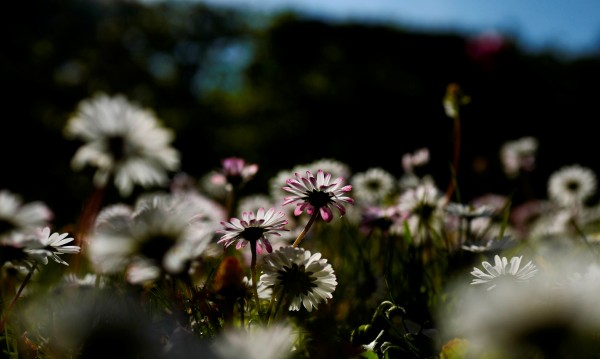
[501, 271]
[301, 278]
[317, 194]
[235, 172]
[253, 228]
[550, 317]
[422, 208]
[518, 155]
[123, 141]
[572, 185]
[373, 186]
[161, 231]
[53, 245]
[18, 216]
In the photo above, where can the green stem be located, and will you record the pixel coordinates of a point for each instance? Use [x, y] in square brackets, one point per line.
[455, 161]
[14, 300]
[305, 230]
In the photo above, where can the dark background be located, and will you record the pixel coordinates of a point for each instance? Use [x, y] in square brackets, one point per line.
[279, 92]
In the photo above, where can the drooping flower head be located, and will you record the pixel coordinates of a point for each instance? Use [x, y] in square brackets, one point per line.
[305, 279]
[318, 193]
[123, 141]
[501, 271]
[253, 228]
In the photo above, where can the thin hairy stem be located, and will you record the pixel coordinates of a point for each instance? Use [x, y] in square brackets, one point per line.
[305, 230]
[253, 270]
[17, 296]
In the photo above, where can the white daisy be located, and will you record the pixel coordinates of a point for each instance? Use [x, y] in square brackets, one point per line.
[18, 216]
[318, 194]
[163, 231]
[52, 245]
[302, 278]
[422, 208]
[123, 141]
[373, 186]
[254, 229]
[572, 185]
[550, 317]
[501, 271]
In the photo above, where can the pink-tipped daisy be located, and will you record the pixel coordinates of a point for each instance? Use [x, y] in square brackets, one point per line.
[318, 193]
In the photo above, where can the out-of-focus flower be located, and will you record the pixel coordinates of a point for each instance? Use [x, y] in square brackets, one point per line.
[373, 186]
[17, 216]
[235, 172]
[379, 217]
[519, 155]
[572, 185]
[318, 193]
[484, 46]
[253, 228]
[82, 320]
[328, 165]
[302, 278]
[162, 231]
[468, 211]
[275, 341]
[123, 141]
[554, 315]
[500, 271]
[416, 159]
[422, 209]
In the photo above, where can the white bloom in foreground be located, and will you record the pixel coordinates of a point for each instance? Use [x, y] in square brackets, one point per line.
[301, 277]
[165, 232]
[273, 342]
[572, 185]
[123, 141]
[553, 316]
[501, 271]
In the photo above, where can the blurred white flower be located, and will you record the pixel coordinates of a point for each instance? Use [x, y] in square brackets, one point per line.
[500, 271]
[123, 141]
[273, 342]
[572, 185]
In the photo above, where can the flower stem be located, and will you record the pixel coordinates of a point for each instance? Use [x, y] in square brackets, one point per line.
[14, 300]
[455, 159]
[305, 230]
[86, 221]
[253, 270]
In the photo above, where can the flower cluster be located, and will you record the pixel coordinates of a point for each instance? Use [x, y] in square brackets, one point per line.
[380, 263]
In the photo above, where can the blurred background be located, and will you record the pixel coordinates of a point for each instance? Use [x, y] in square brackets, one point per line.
[282, 83]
